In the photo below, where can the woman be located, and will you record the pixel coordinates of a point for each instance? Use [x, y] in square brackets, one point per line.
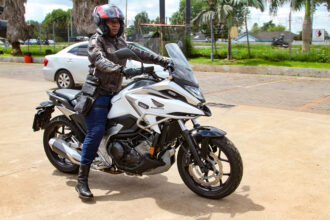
[109, 70]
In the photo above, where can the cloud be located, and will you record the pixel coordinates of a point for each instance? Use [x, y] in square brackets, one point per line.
[38, 9]
[151, 7]
[320, 20]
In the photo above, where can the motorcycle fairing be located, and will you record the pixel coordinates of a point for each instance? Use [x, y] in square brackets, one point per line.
[140, 103]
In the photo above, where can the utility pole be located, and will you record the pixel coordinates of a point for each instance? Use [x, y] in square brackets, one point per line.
[212, 39]
[290, 51]
[54, 35]
[68, 32]
[162, 21]
[40, 39]
[188, 28]
[71, 24]
[126, 23]
[188, 13]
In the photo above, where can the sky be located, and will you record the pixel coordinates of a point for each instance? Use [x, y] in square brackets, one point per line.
[38, 9]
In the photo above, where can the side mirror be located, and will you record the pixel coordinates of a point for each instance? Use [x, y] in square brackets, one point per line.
[126, 53]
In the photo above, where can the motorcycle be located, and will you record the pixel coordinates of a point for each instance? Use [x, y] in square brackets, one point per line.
[145, 128]
[279, 42]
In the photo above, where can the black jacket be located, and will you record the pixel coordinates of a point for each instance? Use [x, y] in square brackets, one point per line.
[107, 67]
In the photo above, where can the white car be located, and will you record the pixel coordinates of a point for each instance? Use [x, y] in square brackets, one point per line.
[69, 67]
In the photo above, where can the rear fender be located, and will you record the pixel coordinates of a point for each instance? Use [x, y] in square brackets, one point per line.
[43, 115]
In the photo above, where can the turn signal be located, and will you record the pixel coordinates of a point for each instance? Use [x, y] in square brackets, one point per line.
[152, 150]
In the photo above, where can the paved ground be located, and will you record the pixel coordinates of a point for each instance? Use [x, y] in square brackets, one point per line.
[285, 154]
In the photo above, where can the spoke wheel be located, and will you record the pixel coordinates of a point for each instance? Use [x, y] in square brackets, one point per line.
[225, 170]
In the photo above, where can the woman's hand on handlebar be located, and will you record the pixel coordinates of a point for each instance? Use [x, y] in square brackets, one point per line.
[131, 72]
[169, 65]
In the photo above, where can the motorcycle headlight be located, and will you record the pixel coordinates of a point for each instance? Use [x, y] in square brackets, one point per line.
[196, 92]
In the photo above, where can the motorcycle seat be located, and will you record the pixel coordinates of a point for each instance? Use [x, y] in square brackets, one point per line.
[69, 94]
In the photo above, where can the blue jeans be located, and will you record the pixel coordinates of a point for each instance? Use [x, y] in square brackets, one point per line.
[95, 123]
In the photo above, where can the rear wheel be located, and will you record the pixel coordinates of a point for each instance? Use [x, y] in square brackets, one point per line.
[225, 170]
[64, 80]
[62, 128]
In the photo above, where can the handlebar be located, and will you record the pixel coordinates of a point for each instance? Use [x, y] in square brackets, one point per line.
[147, 70]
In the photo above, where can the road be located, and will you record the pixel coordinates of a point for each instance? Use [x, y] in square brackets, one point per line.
[279, 124]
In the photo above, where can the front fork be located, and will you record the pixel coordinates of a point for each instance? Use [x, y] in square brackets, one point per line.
[191, 144]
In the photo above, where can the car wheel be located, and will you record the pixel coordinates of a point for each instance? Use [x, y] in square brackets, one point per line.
[64, 80]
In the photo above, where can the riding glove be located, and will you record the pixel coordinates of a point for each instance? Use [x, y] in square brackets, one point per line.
[131, 72]
[169, 65]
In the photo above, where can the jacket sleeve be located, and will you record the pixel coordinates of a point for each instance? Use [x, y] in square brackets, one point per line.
[148, 57]
[97, 57]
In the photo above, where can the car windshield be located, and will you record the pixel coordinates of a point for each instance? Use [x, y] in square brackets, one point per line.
[182, 73]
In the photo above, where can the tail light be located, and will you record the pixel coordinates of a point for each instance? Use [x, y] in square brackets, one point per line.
[45, 62]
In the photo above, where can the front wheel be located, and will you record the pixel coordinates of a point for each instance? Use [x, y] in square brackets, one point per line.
[225, 170]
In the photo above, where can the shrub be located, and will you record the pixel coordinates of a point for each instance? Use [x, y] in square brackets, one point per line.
[317, 54]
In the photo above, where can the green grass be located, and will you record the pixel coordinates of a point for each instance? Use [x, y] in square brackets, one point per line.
[260, 62]
[318, 53]
[35, 49]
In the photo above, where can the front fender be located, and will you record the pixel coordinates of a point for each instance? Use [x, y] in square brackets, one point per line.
[203, 135]
[207, 132]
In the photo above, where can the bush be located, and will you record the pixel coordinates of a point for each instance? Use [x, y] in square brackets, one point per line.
[48, 51]
[317, 54]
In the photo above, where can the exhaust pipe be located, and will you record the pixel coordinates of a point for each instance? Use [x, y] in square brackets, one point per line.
[63, 149]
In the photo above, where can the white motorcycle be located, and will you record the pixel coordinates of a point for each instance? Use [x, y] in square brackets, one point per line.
[145, 128]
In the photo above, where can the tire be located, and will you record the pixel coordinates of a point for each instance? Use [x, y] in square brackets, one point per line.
[52, 130]
[225, 186]
[64, 80]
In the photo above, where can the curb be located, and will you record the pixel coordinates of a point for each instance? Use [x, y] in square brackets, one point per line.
[272, 70]
[21, 59]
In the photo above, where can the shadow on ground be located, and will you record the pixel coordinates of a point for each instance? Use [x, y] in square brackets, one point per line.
[172, 197]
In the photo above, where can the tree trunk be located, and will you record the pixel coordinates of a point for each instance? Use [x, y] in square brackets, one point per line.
[16, 49]
[307, 28]
[229, 56]
[247, 37]
[82, 15]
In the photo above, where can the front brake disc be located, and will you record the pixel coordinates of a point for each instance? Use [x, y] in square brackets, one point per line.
[205, 179]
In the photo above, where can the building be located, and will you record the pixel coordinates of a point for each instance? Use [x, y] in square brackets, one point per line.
[265, 36]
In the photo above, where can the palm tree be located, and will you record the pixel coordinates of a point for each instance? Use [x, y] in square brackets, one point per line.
[17, 29]
[259, 4]
[222, 11]
[307, 27]
[216, 14]
[82, 15]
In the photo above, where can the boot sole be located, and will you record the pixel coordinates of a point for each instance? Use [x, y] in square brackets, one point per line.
[84, 197]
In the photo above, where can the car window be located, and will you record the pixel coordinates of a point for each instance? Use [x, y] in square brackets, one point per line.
[79, 50]
[73, 50]
[82, 50]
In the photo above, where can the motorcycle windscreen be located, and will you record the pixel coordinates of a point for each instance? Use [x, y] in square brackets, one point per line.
[183, 73]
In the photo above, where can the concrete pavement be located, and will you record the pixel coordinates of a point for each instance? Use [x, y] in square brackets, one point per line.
[285, 155]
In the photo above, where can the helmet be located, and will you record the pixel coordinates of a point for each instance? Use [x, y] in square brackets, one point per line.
[102, 13]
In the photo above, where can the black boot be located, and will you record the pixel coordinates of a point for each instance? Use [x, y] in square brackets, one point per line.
[82, 185]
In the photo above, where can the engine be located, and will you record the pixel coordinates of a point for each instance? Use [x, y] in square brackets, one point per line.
[129, 153]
